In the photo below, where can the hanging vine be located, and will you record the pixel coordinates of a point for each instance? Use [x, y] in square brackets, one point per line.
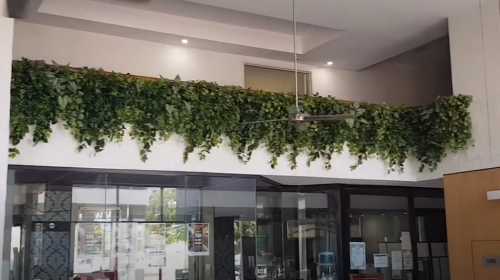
[95, 106]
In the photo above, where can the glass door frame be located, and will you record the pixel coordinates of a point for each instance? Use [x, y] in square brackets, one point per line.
[409, 192]
[432, 212]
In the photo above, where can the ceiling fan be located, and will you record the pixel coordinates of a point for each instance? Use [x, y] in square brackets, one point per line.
[296, 116]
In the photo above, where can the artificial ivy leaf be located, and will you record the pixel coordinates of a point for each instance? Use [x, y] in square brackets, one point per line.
[169, 108]
[73, 87]
[188, 106]
[60, 101]
[94, 106]
[350, 122]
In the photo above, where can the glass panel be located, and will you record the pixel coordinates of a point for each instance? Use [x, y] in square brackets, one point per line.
[174, 205]
[269, 235]
[384, 225]
[445, 268]
[176, 252]
[93, 247]
[91, 216]
[91, 203]
[12, 261]
[431, 226]
[436, 267]
[355, 226]
[314, 228]
[49, 206]
[148, 250]
[140, 204]
[438, 249]
[429, 202]
[126, 254]
[221, 228]
[423, 250]
[424, 269]
[378, 202]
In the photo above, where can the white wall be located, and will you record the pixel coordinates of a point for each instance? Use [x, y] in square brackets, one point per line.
[475, 59]
[387, 82]
[6, 37]
[391, 81]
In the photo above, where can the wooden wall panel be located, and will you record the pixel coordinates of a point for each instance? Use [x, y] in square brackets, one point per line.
[470, 217]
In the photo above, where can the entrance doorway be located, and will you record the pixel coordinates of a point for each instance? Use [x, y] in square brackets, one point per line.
[145, 226]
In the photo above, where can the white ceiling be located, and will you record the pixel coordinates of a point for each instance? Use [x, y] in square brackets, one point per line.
[353, 34]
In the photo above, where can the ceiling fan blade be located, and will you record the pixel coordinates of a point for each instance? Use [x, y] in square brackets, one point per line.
[301, 126]
[329, 117]
[292, 109]
[266, 121]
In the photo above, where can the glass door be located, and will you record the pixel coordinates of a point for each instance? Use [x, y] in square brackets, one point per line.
[92, 247]
[380, 240]
[148, 250]
[221, 227]
[269, 238]
[316, 234]
[133, 250]
[296, 236]
[432, 246]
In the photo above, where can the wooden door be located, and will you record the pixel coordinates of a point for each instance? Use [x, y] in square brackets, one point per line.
[486, 258]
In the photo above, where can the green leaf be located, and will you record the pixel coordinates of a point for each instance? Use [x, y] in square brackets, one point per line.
[95, 107]
[350, 122]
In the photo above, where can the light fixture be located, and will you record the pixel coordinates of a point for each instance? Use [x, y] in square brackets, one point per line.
[184, 41]
[329, 63]
[382, 214]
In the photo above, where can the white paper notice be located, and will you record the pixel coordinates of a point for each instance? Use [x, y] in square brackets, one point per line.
[397, 260]
[358, 255]
[407, 260]
[406, 240]
[381, 260]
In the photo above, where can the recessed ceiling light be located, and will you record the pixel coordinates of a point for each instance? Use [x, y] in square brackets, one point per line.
[329, 63]
[184, 41]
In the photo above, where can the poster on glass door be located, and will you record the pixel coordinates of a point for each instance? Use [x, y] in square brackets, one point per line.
[358, 255]
[198, 236]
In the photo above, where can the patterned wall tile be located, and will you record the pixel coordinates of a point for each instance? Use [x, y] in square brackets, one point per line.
[50, 239]
[56, 206]
[224, 248]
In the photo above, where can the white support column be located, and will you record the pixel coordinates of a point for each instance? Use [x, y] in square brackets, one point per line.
[6, 40]
[475, 61]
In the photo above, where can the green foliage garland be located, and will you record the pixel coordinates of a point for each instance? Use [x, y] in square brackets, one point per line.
[95, 106]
